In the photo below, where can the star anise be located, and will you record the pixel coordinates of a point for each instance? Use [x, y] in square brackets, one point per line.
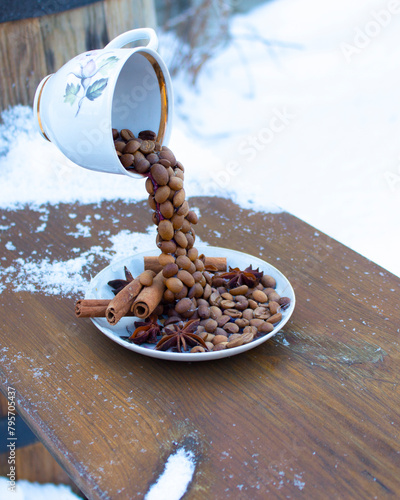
[146, 331]
[250, 277]
[118, 284]
[180, 336]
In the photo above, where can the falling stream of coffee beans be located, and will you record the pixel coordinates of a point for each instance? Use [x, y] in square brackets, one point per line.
[229, 316]
[179, 259]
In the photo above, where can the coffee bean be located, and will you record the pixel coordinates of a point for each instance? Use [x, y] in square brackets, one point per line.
[186, 226]
[167, 246]
[182, 293]
[165, 259]
[165, 229]
[199, 265]
[236, 342]
[146, 278]
[164, 162]
[231, 327]
[126, 134]
[241, 322]
[276, 318]
[126, 160]
[170, 270]
[219, 338]
[253, 304]
[284, 302]
[196, 291]
[132, 146]
[259, 296]
[268, 281]
[198, 276]
[186, 278]
[175, 183]
[167, 154]
[233, 313]
[177, 221]
[115, 133]
[147, 147]
[152, 158]
[147, 135]
[192, 217]
[247, 337]
[149, 186]
[184, 208]
[174, 284]
[183, 262]
[222, 320]
[159, 174]
[274, 296]
[260, 311]
[180, 251]
[161, 194]
[151, 201]
[266, 327]
[183, 305]
[193, 254]
[210, 325]
[179, 173]
[252, 329]
[179, 198]
[190, 240]
[227, 304]
[240, 290]
[256, 322]
[142, 165]
[180, 239]
[274, 307]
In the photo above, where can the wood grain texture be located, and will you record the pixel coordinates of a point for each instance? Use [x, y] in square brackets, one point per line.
[34, 48]
[313, 413]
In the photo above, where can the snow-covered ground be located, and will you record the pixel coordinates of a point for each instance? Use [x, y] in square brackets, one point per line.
[300, 110]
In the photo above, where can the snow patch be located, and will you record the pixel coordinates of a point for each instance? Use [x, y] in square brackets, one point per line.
[173, 482]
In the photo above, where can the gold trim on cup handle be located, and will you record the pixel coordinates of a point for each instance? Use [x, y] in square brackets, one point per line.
[38, 109]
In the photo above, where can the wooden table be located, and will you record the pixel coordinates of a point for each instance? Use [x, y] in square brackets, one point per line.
[313, 413]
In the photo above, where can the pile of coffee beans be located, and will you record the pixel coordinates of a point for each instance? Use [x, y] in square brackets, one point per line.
[228, 317]
[236, 316]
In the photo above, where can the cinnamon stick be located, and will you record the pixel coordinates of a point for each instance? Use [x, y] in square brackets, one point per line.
[121, 304]
[149, 298]
[217, 263]
[93, 308]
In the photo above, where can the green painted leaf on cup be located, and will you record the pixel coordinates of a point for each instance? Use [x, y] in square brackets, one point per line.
[108, 64]
[96, 89]
[71, 93]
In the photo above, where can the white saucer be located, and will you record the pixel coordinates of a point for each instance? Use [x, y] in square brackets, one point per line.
[98, 289]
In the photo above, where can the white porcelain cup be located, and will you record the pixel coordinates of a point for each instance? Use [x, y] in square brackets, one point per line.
[78, 106]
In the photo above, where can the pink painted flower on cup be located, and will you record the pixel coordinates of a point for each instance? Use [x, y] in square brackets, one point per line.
[85, 71]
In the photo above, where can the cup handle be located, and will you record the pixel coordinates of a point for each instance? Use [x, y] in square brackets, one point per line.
[133, 36]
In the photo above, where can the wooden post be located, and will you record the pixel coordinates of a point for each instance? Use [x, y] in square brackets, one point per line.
[32, 48]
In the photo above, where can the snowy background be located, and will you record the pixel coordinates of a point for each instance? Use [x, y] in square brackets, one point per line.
[299, 110]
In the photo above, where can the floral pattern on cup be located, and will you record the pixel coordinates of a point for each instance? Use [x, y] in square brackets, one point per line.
[86, 86]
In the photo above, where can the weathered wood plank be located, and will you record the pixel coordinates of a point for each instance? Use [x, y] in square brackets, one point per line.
[314, 412]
